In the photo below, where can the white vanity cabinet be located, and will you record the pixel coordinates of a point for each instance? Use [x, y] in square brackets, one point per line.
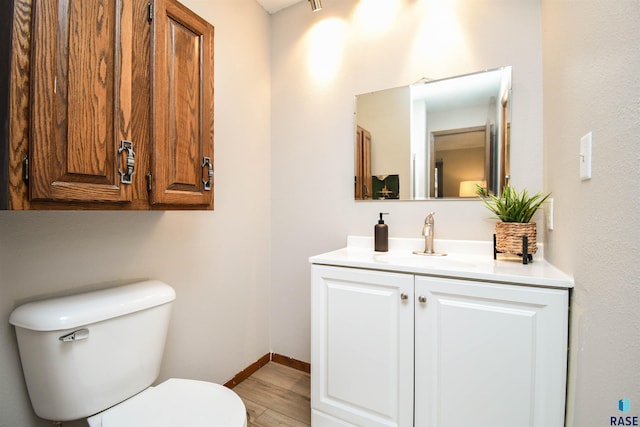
[405, 349]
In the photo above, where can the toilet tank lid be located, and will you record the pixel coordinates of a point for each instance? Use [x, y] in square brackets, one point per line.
[90, 307]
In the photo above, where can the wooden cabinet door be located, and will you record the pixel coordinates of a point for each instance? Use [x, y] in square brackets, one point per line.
[182, 107]
[81, 99]
[489, 355]
[361, 347]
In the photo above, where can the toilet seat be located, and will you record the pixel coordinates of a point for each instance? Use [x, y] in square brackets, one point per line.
[177, 402]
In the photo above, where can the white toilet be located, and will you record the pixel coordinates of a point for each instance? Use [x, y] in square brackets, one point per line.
[96, 355]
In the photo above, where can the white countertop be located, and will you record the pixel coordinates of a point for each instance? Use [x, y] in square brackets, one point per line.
[465, 259]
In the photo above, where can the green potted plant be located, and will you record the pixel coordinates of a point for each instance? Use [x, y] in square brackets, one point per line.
[514, 210]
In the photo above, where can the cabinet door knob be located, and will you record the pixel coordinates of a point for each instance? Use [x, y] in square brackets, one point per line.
[404, 296]
[422, 299]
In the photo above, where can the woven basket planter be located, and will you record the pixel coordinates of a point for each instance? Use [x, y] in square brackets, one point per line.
[509, 237]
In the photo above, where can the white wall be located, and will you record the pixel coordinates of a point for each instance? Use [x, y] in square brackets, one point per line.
[320, 61]
[218, 262]
[591, 68]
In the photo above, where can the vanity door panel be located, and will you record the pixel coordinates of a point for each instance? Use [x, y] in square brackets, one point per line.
[362, 347]
[489, 355]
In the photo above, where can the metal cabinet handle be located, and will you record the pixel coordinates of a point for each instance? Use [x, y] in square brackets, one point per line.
[422, 299]
[206, 163]
[404, 296]
[125, 177]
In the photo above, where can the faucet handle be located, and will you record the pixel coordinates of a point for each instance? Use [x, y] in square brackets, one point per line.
[429, 218]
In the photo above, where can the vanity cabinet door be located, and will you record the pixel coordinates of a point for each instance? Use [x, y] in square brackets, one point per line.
[489, 355]
[81, 100]
[182, 107]
[361, 348]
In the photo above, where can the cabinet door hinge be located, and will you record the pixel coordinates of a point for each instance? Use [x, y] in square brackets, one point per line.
[25, 169]
[149, 181]
[150, 12]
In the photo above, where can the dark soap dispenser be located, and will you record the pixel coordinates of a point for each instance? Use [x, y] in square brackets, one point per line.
[381, 235]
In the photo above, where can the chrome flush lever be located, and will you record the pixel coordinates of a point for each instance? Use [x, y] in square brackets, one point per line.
[80, 334]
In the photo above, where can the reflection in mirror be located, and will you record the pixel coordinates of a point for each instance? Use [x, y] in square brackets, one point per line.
[434, 139]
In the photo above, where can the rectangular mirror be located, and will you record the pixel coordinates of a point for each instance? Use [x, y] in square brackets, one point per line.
[434, 139]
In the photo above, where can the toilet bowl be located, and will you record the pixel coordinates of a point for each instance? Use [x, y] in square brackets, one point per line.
[95, 355]
[176, 402]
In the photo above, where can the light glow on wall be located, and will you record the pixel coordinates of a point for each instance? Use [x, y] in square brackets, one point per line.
[440, 34]
[374, 16]
[326, 47]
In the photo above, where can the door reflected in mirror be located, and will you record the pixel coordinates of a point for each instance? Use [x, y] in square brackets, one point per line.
[434, 139]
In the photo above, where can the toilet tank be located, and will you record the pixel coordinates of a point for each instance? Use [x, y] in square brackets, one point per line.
[84, 353]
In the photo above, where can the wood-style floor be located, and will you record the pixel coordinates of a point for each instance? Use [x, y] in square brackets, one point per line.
[276, 395]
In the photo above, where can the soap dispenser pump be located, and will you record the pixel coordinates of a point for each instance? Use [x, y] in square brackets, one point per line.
[381, 235]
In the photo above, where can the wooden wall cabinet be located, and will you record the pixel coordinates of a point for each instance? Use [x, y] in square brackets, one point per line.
[110, 106]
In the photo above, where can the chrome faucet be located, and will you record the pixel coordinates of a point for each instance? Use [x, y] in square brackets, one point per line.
[427, 232]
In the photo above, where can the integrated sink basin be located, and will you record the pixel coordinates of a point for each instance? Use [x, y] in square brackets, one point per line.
[437, 261]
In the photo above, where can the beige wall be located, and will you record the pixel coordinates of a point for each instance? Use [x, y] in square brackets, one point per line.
[591, 69]
[319, 63]
[218, 262]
